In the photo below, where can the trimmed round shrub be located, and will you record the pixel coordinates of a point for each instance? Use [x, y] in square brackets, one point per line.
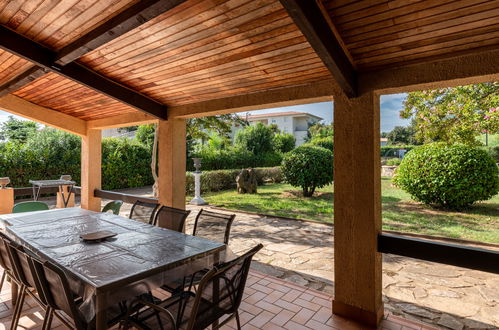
[450, 176]
[308, 167]
[324, 142]
[494, 153]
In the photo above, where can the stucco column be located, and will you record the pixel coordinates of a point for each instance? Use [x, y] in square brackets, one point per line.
[357, 208]
[91, 162]
[172, 162]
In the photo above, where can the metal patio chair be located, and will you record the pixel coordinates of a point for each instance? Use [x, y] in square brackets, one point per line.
[51, 281]
[143, 211]
[114, 206]
[171, 218]
[219, 294]
[214, 226]
[30, 207]
[25, 278]
[5, 260]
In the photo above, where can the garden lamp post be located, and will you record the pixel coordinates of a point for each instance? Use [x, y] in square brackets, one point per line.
[197, 200]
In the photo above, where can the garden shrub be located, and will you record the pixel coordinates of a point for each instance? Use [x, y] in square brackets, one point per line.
[324, 142]
[494, 153]
[51, 153]
[284, 142]
[308, 167]
[125, 164]
[393, 161]
[226, 179]
[452, 176]
[234, 158]
[46, 155]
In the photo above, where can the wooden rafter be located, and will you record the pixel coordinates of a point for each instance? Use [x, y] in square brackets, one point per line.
[44, 57]
[309, 17]
[138, 14]
[23, 79]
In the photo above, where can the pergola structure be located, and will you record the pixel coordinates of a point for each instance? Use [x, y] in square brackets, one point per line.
[87, 65]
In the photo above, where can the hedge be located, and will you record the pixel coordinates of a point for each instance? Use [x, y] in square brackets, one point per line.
[234, 158]
[125, 163]
[226, 179]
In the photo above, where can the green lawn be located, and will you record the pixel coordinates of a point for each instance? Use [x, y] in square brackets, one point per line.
[480, 222]
[493, 140]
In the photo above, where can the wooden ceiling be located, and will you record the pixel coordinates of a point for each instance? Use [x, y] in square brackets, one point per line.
[209, 49]
[381, 33]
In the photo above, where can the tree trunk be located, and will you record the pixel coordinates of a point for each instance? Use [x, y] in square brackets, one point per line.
[154, 162]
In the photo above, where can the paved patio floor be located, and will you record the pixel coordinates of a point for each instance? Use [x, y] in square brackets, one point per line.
[269, 303]
[302, 252]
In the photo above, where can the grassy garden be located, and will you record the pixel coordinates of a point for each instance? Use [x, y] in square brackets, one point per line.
[479, 222]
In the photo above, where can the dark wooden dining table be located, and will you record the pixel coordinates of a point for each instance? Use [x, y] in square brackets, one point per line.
[138, 259]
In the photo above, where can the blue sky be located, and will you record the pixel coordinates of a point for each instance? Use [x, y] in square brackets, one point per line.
[390, 108]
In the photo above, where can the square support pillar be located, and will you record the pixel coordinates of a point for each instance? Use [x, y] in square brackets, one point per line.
[91, 163]
[6, 200]
[357, 209]
[172, 162]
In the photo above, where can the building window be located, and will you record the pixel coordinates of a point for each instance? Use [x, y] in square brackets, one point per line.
[273, 120]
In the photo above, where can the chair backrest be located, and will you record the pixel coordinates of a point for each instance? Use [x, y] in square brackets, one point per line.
[229, 280]
[171, 218]
[143, 211]
[52, 282]
[20, 263]
[114, 206]
[5, 259]
[30, 207]
[214, 226]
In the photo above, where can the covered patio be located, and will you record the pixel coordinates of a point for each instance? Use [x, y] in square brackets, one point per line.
[87, 66]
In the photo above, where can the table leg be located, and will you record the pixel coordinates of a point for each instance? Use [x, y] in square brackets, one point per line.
[100, 311]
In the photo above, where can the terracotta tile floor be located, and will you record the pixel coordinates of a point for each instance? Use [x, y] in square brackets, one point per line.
[269, 303]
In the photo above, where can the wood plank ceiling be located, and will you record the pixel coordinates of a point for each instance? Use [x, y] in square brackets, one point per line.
[381, 33]
[208, 49]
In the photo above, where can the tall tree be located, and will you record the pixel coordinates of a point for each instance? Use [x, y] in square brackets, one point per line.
[16, 130]
[320, 130]
[454, 115]
[401, 135]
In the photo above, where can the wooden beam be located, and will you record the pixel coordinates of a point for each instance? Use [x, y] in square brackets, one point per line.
[444, 253]
[23, 108]
[448, 72]
[125, 120]
[138, 14]
[21, 46]
[322, 91]
[310, 19]
[24, 78]
[126, 198]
